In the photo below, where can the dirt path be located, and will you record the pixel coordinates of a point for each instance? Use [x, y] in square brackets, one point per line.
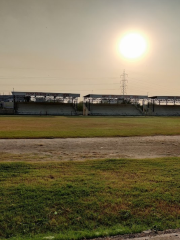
[93, 148]
[147, 235]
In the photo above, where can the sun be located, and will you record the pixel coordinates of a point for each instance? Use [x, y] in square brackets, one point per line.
[132, 45]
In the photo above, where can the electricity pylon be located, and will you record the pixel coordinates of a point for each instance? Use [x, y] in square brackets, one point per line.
[123, 83]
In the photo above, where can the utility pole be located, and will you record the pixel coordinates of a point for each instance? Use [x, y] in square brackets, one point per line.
[123, 83]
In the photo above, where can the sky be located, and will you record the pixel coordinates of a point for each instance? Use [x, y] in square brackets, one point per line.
[71, 46]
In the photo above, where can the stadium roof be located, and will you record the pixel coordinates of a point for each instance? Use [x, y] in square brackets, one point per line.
[106, 96]
[44, 94]
[165, 97]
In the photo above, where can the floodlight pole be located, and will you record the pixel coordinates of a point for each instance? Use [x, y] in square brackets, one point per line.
[123, 83]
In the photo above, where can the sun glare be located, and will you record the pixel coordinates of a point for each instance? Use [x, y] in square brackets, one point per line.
[132, 45]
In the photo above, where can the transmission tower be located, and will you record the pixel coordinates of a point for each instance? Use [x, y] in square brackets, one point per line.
[123, 83]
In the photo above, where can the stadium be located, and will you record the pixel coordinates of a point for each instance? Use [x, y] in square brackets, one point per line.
[65, 104]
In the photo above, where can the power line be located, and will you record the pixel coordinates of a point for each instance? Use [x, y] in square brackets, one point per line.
[60, 78]
[58, 84]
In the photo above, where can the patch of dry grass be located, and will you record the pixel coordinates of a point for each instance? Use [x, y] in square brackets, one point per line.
[18, 157]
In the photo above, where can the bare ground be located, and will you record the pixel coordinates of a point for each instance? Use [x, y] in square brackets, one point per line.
[169, 234]
[93, 148]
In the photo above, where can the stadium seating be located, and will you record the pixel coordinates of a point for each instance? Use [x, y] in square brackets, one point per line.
[114, 110]
[45, 108]
[166, 110]
[7, 111]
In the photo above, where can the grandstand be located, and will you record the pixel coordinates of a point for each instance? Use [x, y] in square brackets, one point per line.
[114, 105]
[164, 106]
[41, 103]
[65, 104]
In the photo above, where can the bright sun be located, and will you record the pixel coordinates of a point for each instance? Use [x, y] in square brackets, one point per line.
[132, 45]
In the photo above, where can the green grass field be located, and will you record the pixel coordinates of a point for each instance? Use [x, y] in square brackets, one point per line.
[62, 127]
[77, 200]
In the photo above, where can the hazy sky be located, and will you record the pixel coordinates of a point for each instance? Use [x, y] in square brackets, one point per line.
[72, 46]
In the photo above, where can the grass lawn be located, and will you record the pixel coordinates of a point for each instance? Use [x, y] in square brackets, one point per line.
[62, 127]
[74, 200]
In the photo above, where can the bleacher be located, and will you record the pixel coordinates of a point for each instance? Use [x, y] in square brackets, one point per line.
[114, 110]
[45, 108]
[6, 111]
[166, 110]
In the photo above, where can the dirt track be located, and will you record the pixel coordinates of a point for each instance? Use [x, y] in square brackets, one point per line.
[93, 148]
